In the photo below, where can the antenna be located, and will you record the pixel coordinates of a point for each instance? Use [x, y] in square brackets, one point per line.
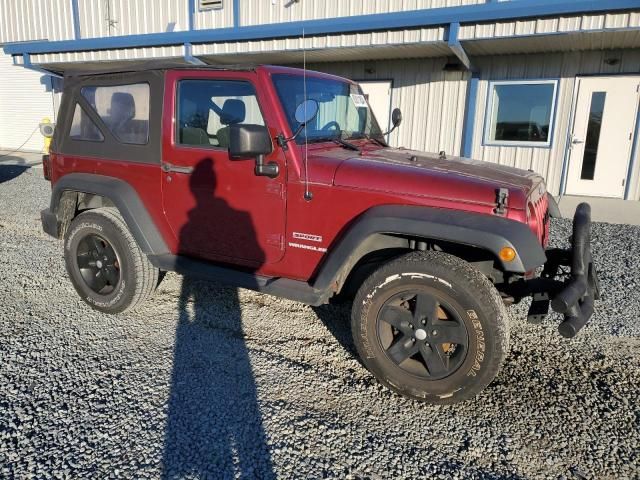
[308, 196]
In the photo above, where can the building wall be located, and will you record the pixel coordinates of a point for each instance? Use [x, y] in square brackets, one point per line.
[565, 67]
[433, 102]
[22, 20]
[126, 17]
[25, 98]
[256, 12]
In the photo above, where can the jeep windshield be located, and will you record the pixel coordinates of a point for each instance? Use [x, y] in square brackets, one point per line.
[343, 111]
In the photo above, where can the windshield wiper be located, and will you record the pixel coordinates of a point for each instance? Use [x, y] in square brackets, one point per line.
[345, 144]
[382, 143]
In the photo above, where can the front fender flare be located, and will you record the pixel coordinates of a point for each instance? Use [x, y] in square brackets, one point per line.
[490, 233]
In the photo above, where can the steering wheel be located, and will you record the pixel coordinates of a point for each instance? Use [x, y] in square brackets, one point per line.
[332, 123]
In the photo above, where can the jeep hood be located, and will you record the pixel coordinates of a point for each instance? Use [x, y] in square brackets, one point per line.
[428, 175]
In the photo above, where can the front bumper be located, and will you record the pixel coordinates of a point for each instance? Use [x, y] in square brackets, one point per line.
[573, 296]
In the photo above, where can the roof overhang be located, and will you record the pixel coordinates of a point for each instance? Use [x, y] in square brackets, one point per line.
[492, 11]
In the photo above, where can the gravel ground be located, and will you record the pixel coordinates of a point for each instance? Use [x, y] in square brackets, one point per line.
[209, 382]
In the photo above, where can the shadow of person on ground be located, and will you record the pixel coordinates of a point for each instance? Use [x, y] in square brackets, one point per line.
[9, 172]
[214, 425]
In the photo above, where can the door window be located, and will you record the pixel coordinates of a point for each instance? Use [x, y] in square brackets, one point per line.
[207, 108]
[592, 140]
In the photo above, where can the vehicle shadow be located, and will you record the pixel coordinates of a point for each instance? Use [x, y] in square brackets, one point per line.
[9, 172]
[214, 424]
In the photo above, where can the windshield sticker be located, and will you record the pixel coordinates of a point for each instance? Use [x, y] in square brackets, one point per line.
[359, 101]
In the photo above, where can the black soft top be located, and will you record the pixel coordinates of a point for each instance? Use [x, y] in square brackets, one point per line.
[108, 68]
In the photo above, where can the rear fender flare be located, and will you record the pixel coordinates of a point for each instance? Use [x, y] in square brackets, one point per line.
[384, 227]
[124, 198]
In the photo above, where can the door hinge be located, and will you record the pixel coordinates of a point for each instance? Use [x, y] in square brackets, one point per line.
[624, 180]
[276, 240]
[275, 189]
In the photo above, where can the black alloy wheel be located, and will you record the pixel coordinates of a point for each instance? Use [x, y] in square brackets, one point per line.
[98, 264]
[422, 334]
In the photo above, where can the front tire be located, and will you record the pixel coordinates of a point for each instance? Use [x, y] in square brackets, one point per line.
[431, 327]
[105, 263]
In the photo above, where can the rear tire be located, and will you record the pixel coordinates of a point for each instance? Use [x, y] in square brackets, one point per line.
[431, 327]
[105, 263]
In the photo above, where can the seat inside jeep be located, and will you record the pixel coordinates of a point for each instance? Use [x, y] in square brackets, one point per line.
[121, 119]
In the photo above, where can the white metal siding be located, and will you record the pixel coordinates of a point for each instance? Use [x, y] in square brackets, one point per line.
[24, 101]
[103, 18]
[215, 18]
[329, 43]
[541, 26]
[22, 20]
[110, 55]
[563, 66]
[432, 101]
[255, 12]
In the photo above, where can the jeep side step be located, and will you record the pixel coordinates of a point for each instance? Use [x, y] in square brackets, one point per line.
[281, 287]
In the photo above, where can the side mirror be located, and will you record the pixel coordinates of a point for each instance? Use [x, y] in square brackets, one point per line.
[306, 111]
[252, 141]
[396, 120]
[396, 117]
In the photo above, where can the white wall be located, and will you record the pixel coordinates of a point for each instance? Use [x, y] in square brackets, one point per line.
[432, 101]
[255, 12]
[24, 101]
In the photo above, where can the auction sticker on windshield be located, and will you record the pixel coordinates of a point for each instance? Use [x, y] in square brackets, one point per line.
[359, 101]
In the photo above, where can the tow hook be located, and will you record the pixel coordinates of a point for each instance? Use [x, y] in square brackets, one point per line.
[502, 200]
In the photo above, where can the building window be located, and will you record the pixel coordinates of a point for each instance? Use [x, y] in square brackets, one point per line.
[520, 113]
[211, 4]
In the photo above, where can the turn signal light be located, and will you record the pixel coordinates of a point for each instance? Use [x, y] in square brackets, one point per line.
[507, 254]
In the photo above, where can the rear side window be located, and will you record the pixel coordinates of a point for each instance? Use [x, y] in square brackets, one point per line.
[207, 108]
[83, 128]
[123, 108]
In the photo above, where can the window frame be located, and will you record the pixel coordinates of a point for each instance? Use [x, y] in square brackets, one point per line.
[489, 110]
[176, 110]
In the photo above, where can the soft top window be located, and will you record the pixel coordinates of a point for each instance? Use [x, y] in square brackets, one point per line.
[83, 128]
[123, 108]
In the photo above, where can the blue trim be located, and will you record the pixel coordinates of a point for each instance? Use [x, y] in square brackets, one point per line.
[470, 114]
[456, 46]
[26, 63]
[188, 56]
[552, 118]
[380, 21]
[192, 12]
[75, 11]
[236, 13]
[632, 160]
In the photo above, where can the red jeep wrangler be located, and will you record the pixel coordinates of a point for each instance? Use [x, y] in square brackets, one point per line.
[281, 181]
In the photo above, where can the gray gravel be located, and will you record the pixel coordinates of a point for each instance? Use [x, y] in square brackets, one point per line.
[207, 382]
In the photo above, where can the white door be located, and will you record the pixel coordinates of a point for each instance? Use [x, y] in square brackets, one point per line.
[603, 135]
[378, 94]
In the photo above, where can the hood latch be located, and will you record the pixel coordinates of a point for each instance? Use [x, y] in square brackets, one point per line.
[502, 200]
